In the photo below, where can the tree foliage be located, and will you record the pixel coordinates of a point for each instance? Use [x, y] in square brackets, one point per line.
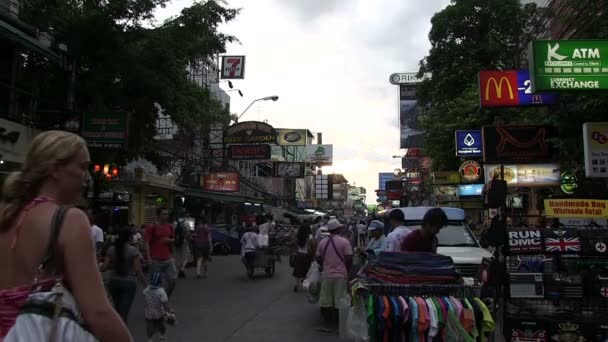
[466, 37]
[124, 61]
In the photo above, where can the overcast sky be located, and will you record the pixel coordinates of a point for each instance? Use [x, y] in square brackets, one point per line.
[329, 62]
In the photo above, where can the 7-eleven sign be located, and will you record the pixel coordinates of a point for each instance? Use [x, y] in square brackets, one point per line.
[233, 67]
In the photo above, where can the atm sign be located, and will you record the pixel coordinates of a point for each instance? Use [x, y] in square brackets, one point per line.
[509, 88]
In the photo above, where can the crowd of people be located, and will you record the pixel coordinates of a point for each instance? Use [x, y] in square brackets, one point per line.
[335, 246]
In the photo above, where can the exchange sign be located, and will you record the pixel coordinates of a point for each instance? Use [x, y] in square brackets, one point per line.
[509, 88]
[569, 64]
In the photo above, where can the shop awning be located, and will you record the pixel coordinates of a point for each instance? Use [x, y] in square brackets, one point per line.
[222, 196]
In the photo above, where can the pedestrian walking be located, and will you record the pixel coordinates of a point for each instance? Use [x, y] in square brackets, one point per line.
[249, 244]
[182, 246]
[377, 238]
[394, 240]
[202, 246]
[361, 233]
[55, 173]
[96, 233]
[124, 261]
[160, 240]
[335, 256]
[157, 309]
[304, 255]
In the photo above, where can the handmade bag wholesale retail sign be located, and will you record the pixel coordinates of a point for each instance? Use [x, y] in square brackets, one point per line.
[583, 208]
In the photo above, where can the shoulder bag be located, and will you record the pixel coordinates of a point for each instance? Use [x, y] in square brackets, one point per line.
[51, 315]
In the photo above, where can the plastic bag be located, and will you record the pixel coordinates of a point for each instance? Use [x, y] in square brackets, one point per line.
[313, 275]
[356, 323]
[344, 313]
[312, 283]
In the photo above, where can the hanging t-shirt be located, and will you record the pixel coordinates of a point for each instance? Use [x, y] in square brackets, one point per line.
[423, 319]
[433, 328]
[488, 322]
[371, 319]
[414, 320]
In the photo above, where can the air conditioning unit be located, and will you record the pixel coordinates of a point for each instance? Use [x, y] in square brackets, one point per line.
[10, 7]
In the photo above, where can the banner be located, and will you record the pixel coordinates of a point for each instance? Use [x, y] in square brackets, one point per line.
[250, 132]
[221, 182]
[528, 175]
[518, 144]
[407, 77]
[445, 177]
[319, 154]
[412, 134]
[510, 88]
[576, 208]
[288, 170]
[233, 67]
[595, 140]
[249, 152]
[568, 64]
[292, 137]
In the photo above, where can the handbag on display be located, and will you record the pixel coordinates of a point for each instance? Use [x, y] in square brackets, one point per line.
[51, 315]
[495, 193]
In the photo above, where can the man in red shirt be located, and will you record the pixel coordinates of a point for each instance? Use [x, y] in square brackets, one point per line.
[425, 238]
[159, 249]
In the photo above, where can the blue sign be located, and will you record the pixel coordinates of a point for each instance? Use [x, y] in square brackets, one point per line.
[524, 90]
[468, 143]
[384, 177]
[470, 190]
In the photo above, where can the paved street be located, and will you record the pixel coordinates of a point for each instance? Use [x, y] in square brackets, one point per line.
[228, 307]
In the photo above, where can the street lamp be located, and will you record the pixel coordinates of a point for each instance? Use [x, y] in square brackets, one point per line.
[267, 98]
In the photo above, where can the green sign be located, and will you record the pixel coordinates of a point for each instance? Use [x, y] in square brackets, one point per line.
[105, 130]
[568, 65]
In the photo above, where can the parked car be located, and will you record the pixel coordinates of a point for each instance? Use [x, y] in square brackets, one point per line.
[455, 240]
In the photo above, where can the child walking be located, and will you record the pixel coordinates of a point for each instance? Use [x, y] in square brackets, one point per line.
[157, 308]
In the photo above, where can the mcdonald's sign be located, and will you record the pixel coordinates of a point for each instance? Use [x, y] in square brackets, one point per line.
[509, 88]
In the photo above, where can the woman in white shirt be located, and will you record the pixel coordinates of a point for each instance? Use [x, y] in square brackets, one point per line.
[249, 244]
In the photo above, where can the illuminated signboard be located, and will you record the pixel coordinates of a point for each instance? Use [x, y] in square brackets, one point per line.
[468, 143]
[509, 88]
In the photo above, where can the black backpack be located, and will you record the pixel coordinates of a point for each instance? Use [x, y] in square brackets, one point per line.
[180, 234]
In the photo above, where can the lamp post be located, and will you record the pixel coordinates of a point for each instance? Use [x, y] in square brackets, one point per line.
[267, 98]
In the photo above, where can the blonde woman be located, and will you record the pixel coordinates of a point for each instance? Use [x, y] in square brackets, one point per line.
[55, 173]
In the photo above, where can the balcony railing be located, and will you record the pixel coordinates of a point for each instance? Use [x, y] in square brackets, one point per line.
[10, 8]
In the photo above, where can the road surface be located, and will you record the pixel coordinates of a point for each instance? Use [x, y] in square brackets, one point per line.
[227, 307]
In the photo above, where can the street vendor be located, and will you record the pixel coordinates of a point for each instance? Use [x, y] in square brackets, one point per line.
[425, 238]
[377, 238]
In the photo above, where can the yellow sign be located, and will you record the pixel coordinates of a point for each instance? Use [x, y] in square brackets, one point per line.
[576, 208]
[445, 177]
[292, 137]
[498, 87]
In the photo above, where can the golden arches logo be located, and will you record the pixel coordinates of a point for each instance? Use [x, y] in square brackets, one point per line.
[498, 87]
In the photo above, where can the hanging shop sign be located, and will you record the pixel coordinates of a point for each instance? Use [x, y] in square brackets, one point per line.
[249, 152]
[288, 169]
[14, 141]
[105, 130]
[509, 88]
[568, 65]
[384, 177]
[467, 190]
[595, 141]
[528, 175]
[518, 144]
[445, 177]
[576, 208]
[407, 77]
[468, 143]
[292, 137]
[221, 181]
[470, 171]
[250, 132]
[562, 241]
[525, 241]
[569, 183]
[233, 67]
[321, 155]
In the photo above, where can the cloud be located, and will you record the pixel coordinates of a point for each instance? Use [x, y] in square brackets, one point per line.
[329, 61]
[309, 10]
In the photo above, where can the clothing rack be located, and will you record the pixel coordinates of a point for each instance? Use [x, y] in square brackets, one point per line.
[457, 290]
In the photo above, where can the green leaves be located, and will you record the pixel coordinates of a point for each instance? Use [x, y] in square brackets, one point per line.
[124, 63]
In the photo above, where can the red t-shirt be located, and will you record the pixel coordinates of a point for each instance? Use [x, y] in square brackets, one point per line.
[415, 242]
[155, 234]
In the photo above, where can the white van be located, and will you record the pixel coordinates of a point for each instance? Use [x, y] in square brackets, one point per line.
[455, 240]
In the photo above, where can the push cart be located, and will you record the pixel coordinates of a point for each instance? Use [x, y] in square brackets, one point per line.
[265, 259]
